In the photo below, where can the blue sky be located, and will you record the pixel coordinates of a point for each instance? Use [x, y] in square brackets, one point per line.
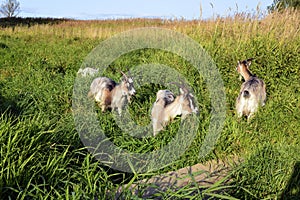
[103, 9]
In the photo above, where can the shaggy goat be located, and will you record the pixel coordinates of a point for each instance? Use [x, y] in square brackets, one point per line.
[109, 94]
[252, 93]
[166, 107]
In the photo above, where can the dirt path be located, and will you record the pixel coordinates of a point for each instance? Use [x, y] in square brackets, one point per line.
[203, 174]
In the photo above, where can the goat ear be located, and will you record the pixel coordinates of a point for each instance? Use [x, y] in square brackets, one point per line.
[248, 61]
[181, 91]
[170, 97]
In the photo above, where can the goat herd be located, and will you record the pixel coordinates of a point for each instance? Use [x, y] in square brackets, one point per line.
[109, 94]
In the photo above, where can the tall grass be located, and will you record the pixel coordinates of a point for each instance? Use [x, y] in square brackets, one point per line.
[42, 156]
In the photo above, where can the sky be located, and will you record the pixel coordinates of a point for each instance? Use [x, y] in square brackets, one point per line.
[112, 9]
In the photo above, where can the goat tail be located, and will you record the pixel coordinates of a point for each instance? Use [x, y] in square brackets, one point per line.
[90, 94]
[246, 94]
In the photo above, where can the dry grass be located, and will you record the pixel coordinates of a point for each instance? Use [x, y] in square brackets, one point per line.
[231, 27]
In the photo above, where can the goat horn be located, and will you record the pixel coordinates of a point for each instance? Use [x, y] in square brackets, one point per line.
[182, 86]
[175, 83]
[124, 74]
[128, 70]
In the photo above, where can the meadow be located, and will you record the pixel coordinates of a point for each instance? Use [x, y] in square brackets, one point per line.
[41, 153]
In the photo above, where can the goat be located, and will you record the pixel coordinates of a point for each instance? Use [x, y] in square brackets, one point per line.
[88, 71]
[166, 107]
[252, 93]
[167, 96]
[109, 94]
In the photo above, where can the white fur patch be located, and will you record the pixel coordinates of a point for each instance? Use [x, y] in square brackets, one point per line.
[130, 80]
[88, 71]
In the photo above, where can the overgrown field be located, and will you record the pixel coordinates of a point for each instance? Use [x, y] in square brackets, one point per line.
[42, 156]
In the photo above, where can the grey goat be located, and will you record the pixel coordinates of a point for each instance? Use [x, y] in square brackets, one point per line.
[252, 93]
[109, 94]
[167, 107]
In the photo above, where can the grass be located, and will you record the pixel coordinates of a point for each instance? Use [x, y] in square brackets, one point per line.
[42, 156]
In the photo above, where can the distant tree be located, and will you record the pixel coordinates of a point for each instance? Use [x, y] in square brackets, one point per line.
[10, 8]
[279, 5]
